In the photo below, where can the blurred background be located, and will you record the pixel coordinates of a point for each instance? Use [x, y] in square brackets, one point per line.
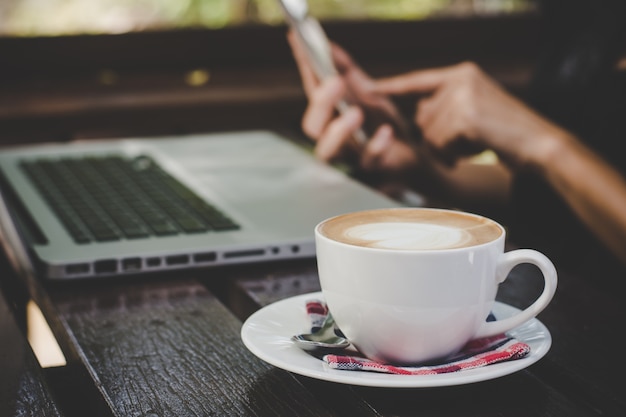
[81, 69]
[72, 17]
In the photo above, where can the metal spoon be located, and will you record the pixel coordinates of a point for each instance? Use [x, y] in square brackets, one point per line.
[324, 339]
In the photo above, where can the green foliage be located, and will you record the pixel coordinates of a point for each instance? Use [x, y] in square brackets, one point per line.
[66, 17]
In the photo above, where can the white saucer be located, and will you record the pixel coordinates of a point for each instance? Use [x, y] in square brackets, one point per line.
[267, 334]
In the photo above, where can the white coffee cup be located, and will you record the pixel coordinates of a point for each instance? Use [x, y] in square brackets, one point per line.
[414, 285]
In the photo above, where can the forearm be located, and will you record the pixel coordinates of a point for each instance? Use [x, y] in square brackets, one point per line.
[594, 190]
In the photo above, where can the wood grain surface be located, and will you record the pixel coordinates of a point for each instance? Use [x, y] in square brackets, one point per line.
[23, 388]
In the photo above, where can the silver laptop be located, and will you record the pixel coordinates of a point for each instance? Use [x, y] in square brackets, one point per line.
[106, 208]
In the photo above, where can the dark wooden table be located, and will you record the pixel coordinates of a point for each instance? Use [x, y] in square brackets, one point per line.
[169, 345]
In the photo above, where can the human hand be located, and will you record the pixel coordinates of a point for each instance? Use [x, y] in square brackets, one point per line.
[465, 111]
[333, 132]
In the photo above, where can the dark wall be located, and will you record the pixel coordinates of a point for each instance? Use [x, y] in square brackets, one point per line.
[134, 84]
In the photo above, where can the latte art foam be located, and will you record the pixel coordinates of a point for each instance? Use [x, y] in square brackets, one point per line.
[403, 235]
[411, 229]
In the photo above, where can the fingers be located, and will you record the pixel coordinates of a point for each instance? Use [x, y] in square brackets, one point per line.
[379, 143]
[347, 67]
[452, 106]
[341, 58]
[388, 154]
[334, 131]
[421, 82]
[429, 80]
[320, 122]
[321, 108]
[448, 115]
[309, 79]
[338, 134]
[439, 134]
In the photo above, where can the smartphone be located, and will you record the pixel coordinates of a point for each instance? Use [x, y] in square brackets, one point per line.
[317, 46]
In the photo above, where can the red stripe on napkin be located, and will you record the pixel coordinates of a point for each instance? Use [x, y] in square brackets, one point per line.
[317, 312]
[477, 353]
[510, 350]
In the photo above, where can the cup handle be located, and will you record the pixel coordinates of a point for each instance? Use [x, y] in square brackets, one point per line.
[505, 265]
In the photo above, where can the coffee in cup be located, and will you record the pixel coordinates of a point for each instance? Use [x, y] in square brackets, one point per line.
[414, 285]
[402, 229]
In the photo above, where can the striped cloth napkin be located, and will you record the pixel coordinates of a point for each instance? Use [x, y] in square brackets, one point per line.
[477, 353]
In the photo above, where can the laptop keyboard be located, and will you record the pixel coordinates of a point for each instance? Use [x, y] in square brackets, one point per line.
[108, 198]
